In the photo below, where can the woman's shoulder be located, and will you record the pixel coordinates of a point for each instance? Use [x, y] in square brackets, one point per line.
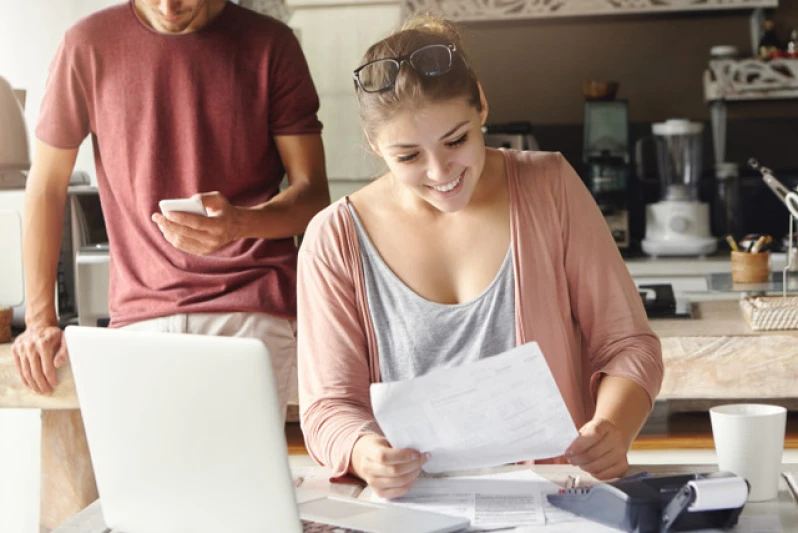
[536, 174]
[535, 164]
[328, 230]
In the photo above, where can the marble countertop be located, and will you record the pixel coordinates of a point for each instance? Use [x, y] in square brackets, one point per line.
[704, 358]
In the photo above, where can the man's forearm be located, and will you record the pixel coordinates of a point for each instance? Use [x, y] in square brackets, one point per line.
[285, 215]
[624, 403]
[42, 229]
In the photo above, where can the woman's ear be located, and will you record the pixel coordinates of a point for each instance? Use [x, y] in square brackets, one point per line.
[483, 103]
[372, 145]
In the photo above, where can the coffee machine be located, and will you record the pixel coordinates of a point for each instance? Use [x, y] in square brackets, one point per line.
[605, 152]
[678, 224]
[511, 135]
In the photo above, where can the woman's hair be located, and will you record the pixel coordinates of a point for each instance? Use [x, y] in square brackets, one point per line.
[411, 88]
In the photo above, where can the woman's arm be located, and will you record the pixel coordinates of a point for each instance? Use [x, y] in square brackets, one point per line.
[621, 410]
[623, 357]
[332, 351]
[334, 374]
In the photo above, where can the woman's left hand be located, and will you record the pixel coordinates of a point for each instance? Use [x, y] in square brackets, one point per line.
[600, 450]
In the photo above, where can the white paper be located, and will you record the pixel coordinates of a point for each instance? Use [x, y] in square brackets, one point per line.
[502, 409]
[488, 504]
[553, 514]
[718, 493]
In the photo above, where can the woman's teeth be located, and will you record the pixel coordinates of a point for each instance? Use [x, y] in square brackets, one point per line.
[449, 186]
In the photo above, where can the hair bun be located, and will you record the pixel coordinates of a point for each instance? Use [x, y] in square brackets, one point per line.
[434, 25]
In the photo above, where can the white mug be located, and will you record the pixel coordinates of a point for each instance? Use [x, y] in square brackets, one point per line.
[749, 441]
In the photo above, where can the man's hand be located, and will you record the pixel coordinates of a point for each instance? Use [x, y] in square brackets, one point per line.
[388, 471]
[600, 450]
[37, 354]
[199, 235]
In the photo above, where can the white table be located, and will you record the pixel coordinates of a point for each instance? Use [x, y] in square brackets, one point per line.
[312, 477]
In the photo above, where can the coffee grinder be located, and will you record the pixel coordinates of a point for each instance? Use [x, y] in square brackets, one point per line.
[606, 154]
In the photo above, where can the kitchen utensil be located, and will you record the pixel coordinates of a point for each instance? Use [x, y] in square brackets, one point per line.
[788, 197]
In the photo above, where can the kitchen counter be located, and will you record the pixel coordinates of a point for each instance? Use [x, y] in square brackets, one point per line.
[716, 356]
[706, 357]
[713, 357]
[645, 266]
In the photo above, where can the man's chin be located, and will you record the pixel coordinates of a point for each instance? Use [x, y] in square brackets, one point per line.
[173, 27]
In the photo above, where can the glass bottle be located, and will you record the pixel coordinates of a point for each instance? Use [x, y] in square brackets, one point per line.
[769, 44]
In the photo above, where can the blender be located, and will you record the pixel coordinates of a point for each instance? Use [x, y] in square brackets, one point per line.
[679, 223]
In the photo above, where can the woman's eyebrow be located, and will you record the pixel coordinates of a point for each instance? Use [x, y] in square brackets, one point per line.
[447, 134]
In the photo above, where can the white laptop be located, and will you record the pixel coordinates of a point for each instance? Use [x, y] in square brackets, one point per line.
[185, 434]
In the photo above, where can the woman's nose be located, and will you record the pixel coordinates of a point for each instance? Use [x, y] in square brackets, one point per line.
[438, 169]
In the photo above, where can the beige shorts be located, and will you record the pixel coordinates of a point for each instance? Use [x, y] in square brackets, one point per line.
[278, 334]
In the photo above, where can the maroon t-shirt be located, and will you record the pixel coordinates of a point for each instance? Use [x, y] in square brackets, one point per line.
[175, 115]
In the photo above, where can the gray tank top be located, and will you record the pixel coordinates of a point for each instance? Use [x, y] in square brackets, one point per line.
[415, 335]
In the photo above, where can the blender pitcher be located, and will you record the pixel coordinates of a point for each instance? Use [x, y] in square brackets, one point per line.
[679, 223]
[678, 143]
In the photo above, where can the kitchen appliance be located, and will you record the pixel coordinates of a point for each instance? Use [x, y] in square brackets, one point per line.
[606, 153]
[679, 223]
[14, 153]
[12, 281]
[660, 301]
[92, 277]
[83, 266]
[511, 135]
[14, 163]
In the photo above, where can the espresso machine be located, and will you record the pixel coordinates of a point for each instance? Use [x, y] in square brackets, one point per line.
[679, 223]
[511, 135]
[605, 152]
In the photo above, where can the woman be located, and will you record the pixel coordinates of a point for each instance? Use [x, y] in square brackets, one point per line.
[461, 252]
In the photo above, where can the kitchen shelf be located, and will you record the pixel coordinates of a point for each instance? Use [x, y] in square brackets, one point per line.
[492, 10]
[722, 282]
[750, 79]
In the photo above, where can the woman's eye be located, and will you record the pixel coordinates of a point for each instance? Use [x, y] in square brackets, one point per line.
[406, 158]
[458, 141]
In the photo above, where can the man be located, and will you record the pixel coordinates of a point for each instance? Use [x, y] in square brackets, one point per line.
[182, 98]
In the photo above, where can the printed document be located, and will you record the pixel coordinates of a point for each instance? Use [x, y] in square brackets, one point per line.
[488, 504]
[501, 409]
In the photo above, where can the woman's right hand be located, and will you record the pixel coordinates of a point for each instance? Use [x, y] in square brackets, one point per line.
[389, 472]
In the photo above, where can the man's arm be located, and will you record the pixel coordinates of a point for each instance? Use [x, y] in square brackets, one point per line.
[45, 197]
[285, 215]
[288, 213]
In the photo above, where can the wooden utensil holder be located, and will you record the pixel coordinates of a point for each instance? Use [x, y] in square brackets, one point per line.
[750, 267]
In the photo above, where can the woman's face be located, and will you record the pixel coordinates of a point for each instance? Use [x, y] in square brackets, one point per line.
[436, 151]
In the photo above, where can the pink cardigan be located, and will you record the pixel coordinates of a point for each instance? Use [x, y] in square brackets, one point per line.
[573, 295]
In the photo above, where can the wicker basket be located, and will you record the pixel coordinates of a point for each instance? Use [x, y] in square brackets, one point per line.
[770, 313]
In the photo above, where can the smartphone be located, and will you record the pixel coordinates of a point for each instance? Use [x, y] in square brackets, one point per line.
[183, 205]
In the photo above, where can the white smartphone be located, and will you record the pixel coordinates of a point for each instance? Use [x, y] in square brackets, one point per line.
[183, 205]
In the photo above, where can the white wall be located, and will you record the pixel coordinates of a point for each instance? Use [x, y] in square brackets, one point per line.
[30, 31]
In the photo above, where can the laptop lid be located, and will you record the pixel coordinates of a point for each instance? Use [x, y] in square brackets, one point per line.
[184, 432]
